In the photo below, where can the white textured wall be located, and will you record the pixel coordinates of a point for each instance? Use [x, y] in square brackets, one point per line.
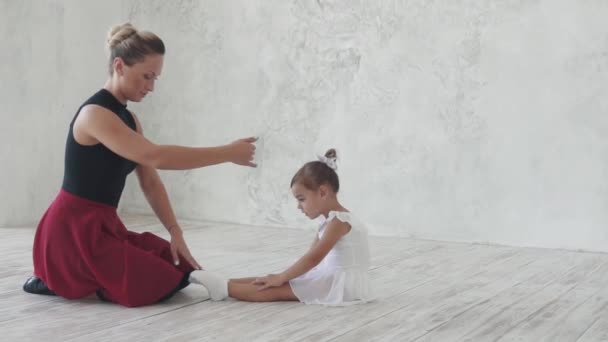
[461, 120]
[51, 59]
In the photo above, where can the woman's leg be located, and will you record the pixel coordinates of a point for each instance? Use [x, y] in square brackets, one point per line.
[138, 271]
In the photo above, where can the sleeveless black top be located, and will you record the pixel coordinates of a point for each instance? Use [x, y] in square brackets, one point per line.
[94, 172]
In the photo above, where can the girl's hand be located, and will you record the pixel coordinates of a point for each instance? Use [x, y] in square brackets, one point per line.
[179, 247]
[271, 280]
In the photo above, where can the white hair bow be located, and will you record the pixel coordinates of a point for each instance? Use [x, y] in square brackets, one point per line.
[331, 162]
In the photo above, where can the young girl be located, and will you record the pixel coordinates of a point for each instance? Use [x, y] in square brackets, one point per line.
[334, 271]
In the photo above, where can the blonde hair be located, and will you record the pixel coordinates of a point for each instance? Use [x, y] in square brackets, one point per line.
[131, 45]
[316, 173]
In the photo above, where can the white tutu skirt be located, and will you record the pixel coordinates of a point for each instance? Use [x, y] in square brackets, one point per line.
[340, 287]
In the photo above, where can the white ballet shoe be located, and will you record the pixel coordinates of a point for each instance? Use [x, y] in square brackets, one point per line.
[216, 285]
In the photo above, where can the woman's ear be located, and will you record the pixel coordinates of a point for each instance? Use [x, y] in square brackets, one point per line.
[118, 65]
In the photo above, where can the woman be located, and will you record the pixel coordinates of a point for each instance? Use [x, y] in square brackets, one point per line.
[81, 246]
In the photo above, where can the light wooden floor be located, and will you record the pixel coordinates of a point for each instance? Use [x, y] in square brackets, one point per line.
[428, 291]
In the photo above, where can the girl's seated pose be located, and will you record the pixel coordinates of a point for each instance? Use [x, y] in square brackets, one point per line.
[334, 271]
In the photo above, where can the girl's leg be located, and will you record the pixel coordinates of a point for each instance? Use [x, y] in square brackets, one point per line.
[243, 280]
[220, 288]
[250, 293]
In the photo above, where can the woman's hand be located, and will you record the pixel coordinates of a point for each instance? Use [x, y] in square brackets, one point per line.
[271, 280]
[179, 248]
[242, 151]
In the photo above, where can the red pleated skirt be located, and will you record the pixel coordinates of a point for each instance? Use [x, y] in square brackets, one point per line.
[82, 247]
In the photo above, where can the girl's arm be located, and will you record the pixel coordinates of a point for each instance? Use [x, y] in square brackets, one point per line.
[314, 242]
[334, 230]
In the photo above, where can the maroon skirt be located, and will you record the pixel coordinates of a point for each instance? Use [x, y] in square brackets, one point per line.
[81, 247]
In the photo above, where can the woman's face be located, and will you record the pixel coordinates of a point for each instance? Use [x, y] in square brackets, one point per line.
[137, 80]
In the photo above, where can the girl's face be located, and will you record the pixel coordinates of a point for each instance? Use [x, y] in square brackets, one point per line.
[137, 80]
[310, 202]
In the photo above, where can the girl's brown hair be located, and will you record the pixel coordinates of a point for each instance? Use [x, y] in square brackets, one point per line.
[316, 173]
